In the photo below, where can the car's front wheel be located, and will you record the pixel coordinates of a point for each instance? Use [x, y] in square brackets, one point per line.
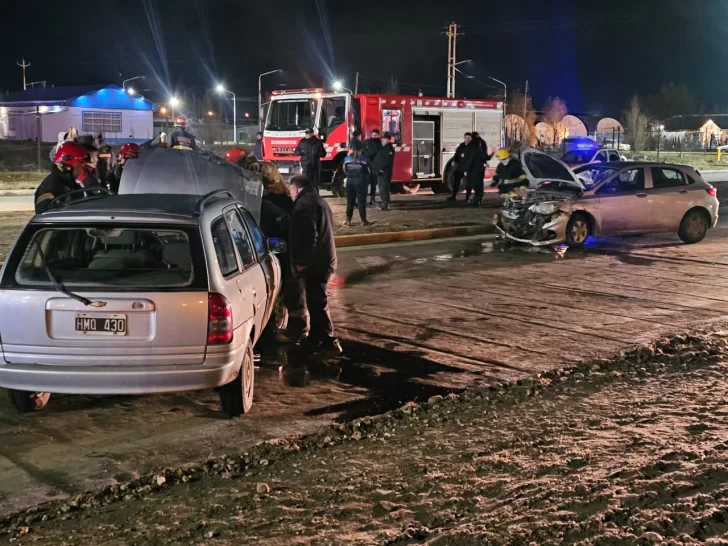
[694, 227]
[236, 398]
[28, 402]
[578, 230]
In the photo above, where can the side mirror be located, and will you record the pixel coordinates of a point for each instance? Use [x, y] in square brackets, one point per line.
[277, 246]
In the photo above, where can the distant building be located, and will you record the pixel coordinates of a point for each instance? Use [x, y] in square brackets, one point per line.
[706, 130]
[95, 109]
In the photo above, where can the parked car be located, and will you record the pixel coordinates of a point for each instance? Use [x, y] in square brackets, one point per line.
[619, 145]
[576, 158]
[136, 294]
[607, 199]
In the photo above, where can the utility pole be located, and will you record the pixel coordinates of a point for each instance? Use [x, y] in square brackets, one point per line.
[525, 125]
[452, 38]
[23, 65]
[356, 84]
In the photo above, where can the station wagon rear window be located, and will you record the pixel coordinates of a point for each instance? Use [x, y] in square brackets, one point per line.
[104, 257]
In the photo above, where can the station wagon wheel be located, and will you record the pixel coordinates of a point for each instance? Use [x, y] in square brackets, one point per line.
[578, 230]
[236, 397]
[694, 226]
[28, 402]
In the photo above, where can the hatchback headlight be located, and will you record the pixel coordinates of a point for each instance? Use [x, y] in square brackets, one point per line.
[544, 208]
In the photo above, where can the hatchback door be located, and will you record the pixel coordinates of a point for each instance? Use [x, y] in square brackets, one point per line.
[133, 296]
[670, 197]
[541, 168]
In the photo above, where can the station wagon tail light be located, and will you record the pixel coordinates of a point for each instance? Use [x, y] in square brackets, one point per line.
[220, 320]
[713, 192]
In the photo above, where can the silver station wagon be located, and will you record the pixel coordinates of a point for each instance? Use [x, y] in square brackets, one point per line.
[135, 294]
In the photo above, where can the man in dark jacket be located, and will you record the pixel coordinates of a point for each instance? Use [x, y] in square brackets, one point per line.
[371, 149]
[383, 167]
[258, 146]
[475, 172]
[313, 255]
[69, 161]
[180, 135]
[310, 150]
[460, 161]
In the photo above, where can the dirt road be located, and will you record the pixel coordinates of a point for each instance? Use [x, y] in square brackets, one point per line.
[627, 451]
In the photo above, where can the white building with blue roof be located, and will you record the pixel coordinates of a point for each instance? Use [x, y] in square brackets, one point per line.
[91, 109]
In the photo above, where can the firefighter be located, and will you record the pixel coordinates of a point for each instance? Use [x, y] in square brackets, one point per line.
[383, 167]
[160, 141]
[509, 175]
[68, 163]
[63, 136]
[460, 161]
[105, 161]
[87, 177]
[180, 136]
[475, 172]
[358, 177]
[372, 146]
[310, 150]
[128, 151]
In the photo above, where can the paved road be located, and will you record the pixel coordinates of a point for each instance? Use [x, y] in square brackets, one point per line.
[416, 320]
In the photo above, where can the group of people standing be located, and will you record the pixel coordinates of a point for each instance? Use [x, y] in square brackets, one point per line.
[470, 162]
[368, 166]
[82, 162]
[296, 213]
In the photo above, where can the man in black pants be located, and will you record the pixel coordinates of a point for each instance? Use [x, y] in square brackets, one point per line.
[358, 174]
[383, 167]
[313, 255]
[371, 149]
[310, 150]
[460, 161]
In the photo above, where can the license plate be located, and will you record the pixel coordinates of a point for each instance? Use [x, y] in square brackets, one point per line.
[97, 324]
[283, 170]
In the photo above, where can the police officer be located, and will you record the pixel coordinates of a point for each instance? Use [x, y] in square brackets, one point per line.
[372, 146]
[180, 135]
[310, 150]
[383, 167]
[68, 163]
[460, 161]
[358, 176]
[128, 151]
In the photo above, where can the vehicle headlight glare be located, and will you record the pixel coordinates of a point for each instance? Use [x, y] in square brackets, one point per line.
[544, 208]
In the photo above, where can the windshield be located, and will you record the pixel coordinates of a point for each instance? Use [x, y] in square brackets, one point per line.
[591, 176]
[291, 115]
[122, 257]
[576, 156]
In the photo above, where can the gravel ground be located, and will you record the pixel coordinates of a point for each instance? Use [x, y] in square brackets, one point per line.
[626, 451]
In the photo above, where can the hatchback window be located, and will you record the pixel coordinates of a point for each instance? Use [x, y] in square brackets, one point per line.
[667, 178]
[112, 257]
[224, 248]
[614, 156]
[626, 181]
[240, 238]
[601, 157]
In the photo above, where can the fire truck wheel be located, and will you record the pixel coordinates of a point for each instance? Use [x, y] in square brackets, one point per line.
[337, 184]
[439, 188]
[410, 188]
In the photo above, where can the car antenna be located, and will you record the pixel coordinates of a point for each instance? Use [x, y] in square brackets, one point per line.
[58, 285]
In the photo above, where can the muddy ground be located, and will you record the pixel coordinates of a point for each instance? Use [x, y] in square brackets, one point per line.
[626, 451]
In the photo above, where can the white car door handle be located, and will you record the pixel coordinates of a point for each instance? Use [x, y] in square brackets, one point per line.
[683, 191]
[641, 195]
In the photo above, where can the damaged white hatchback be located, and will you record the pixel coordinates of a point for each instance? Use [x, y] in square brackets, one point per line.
[620, 198]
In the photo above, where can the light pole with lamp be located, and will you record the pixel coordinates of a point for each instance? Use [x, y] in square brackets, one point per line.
[659, 140]
[505, 105]
[260, 95]
[131, 89]
[338, 86]
[221, 89]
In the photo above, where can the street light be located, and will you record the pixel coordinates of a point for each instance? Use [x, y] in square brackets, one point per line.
[260, 100]
[247, 115]
[163, 111]
[338, 86]
[659, 140]
[210, 113]
[220, 88]
[173, 101]
[131, 89]
[505, 103]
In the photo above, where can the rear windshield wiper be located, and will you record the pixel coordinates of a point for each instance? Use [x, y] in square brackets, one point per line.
[58, 285]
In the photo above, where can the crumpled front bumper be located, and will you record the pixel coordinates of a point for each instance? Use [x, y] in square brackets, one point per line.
[545, 231]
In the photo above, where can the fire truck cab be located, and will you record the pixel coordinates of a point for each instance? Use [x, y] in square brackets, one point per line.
[425, 132]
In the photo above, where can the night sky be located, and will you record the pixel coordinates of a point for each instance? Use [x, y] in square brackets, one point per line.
[592, 54]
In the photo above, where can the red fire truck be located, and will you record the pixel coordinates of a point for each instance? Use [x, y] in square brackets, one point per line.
[425, 131]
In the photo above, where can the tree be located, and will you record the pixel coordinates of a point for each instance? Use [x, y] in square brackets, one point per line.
[514, 126]
[391, 87]
[674, 99]
[635, 123]
[554, 113]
